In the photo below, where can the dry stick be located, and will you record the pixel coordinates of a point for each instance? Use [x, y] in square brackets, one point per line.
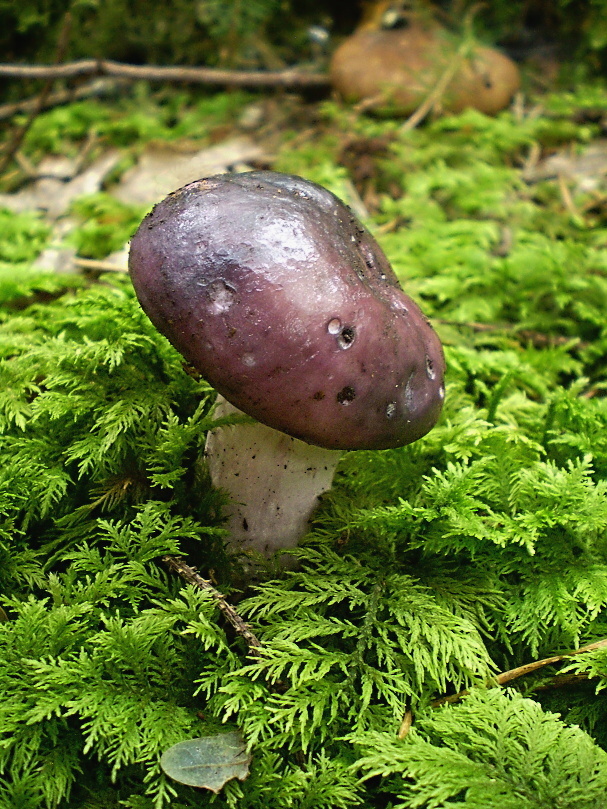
[94, 265]
[20, 133]
[437, 92]
[26, 166]
[405, 725]
[192, 576]
[195, 75]
[562, 681]
[447, 77]
[67, 70]
[538, 339]
[566, 197]
[519, 671]
[481, 327]
[531, 161]
[501, 679]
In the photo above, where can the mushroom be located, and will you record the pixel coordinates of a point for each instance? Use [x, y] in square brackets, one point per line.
[397, 57]
[270, 287]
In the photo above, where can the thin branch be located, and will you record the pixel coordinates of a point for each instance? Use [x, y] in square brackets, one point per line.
[479, 327]
[405, 725]
[83, 67]
[531, 161]
[435, 96]
[566, 197]
[520, 671]
[192, 576]
[93, 265]
[512, 674]
[193, 75]
[538, 339]
[562, 681]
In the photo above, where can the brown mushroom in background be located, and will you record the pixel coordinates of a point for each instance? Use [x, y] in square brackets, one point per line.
[285, 303]
[394, 69]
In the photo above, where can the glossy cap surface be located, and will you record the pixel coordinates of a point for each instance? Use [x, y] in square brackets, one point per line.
[268, 285]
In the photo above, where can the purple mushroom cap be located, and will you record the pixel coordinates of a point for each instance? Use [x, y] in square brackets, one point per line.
[272, 289]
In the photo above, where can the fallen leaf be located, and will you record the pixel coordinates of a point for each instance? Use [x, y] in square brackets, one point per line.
[208, 762]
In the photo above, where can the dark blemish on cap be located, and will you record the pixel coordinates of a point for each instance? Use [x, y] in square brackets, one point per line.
[346, 395]
[346, 337]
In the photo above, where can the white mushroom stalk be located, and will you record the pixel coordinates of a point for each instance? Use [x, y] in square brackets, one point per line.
[273, 482]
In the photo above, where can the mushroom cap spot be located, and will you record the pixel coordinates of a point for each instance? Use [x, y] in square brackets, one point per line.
[243, 273]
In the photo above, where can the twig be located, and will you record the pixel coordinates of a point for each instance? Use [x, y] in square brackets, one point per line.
[194, 75]
[505, 246]
[26, 166]
[520, 671]
[405, 725]
[21, 132]
[94, 265]
[566, 197]
[191, 575]
[531, 161]
[438, 91]
[480, 327]
[538, 339]
[562, 681]
[512, 674]
[369, 103]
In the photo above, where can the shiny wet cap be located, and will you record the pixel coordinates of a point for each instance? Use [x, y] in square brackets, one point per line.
[272, 289]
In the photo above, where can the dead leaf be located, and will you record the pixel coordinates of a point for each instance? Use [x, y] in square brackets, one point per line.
[208, 762]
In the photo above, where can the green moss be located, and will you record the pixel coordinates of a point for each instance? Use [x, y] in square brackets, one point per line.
[106, 224]
[428, 568]
[135, 119]
[22, 236]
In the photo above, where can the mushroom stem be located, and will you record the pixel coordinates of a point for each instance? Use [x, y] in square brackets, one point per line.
[273, 482]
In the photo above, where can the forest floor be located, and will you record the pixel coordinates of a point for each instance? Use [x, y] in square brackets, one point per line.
[475, 555]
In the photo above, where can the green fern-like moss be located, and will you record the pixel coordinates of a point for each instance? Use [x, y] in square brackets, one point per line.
[427, 570]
